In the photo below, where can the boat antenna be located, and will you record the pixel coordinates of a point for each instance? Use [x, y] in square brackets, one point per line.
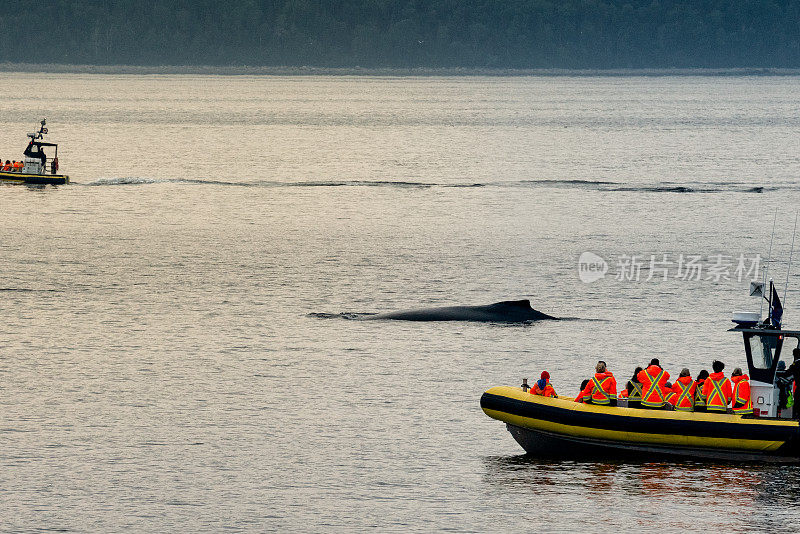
[769, 258]
[789, 267]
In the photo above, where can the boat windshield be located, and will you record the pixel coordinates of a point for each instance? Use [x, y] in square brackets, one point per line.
[763, 349]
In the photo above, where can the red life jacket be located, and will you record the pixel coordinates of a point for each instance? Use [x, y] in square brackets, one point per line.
[601, 389]
[682, 394]
[653, 379]
[742, 403]
[548, 390]
[717, 390]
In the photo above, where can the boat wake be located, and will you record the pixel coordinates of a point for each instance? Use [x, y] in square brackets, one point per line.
[591, 185]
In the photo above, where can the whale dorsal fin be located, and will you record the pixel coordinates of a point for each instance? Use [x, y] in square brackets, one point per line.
[524, 304]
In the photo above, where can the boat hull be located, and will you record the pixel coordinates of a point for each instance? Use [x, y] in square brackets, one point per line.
[563, 427]
[33, 179]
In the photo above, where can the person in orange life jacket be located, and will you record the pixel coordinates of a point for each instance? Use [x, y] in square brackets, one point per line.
[18, 165]
[579, 398]
[793, 372]
[653, 380]
[7, 166]
[717, 389]
[602, 388]
[742, 405]
[633, 390]
[699, 398]
[543, 387]
[681, 395]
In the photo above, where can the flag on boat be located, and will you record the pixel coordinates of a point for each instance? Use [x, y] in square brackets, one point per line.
[776, 310]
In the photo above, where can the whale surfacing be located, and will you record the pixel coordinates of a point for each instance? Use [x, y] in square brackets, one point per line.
[509, 311]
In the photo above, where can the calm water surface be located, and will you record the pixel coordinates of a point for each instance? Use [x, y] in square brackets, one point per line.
[176, 353]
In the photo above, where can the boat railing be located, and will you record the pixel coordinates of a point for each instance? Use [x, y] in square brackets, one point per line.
[50, 167]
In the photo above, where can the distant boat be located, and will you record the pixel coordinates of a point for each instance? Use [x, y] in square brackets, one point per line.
[35, 168]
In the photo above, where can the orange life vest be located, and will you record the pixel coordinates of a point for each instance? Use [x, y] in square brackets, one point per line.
[718, 392]
[603, 387]
[682, 397]
[742, 404]
[7, 167]
[548, 391]
[653, 379]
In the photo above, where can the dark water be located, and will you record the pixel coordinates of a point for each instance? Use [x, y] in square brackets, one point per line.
[176, 353]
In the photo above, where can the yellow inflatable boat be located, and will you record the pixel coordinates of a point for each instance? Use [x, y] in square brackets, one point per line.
[561, 426]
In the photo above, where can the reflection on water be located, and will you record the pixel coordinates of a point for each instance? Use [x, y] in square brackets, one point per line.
[163, 343]
[680, 495]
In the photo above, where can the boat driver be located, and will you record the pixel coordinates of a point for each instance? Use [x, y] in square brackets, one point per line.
[793, 372]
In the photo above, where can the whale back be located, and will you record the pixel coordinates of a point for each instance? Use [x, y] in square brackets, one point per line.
[508, 311]
[512, 305]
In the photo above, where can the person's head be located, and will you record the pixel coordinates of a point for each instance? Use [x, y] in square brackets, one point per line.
[737, 372]
[685, 372]
[636, 373]
[541, 383]
[718, 366]
[703, 375]
[668, 385]
[655, 362]
[584, 384]
[545, 375]
[601, 367]
[781, 365]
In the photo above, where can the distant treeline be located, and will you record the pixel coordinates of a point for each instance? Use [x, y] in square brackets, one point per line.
[405, 33]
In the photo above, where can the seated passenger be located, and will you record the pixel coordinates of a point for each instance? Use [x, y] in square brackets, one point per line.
[653, 380]
[602, 387]
[681, 395]
[699, 398]
[7, 166]
[543, 387]
[742, 403]
[18, 166]
[633, 390]
[579, 398]
[717, 389]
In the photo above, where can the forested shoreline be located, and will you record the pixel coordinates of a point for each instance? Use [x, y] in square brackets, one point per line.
[472, 34]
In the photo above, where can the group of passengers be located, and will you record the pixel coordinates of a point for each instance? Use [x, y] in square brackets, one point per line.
[11, 166]
[650, 389]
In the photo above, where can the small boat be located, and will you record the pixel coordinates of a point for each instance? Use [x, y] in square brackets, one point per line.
[564, 428]
[36, 168]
